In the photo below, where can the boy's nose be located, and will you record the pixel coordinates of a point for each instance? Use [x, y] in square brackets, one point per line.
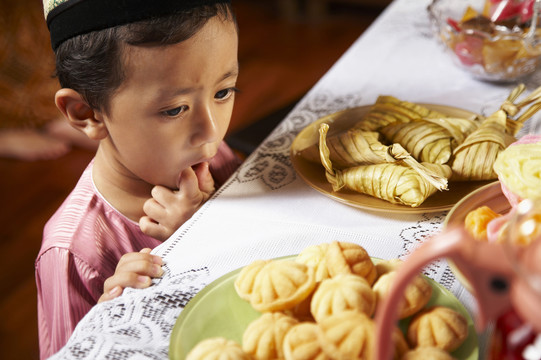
[205, 127]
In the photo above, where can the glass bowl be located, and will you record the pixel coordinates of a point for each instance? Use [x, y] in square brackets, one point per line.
[493, 40]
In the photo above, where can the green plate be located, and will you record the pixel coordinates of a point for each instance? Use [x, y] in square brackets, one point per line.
[217, 310]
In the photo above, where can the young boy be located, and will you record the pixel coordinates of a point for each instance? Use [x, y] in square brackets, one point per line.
[154, 82]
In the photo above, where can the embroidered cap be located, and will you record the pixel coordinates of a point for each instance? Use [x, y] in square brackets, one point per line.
[69, 18]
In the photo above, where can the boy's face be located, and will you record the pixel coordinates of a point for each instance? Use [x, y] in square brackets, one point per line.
[174, 108]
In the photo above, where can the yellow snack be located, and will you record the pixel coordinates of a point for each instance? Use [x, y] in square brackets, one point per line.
[438, 326]
[341, 293]
[416, 295]
[217, 348]
[519, 169]
[264, 337]
[244, 284]
[280, 285]
[304, 319]
[301, 311]
[314, 256]
[400, 344]
[350, 335]
[476, 222]
[424, 353]
[350, 258]
[385, 266]
[301, 343]
[347, 335]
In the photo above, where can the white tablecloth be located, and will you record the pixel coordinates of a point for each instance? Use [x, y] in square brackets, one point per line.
[266, 210]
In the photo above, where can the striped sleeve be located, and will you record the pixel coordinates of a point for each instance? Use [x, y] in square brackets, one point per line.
[60, 307]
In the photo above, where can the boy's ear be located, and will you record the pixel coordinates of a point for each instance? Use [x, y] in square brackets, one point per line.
[80, 115]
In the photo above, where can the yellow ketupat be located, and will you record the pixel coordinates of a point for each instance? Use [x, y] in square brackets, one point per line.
[431, 139]
[351, 148]
[425, 141]
[474, 159]
[388, 110]
[404, 182]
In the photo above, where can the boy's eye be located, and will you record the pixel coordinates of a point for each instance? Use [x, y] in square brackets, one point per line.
[224, 94]
[176, 111]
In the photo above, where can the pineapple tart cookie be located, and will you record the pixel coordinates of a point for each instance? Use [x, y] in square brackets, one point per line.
[264, 337]
[244, 284]
[350, 258]
[217, 348]
[319, 305]
[347, 335]
[301, 343]
[428, 352]
[350, 335]
[340, 293]
[315, 256]
[276, 285]
[416, 295]
[438, 326]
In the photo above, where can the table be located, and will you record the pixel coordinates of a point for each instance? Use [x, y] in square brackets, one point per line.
[265, 210]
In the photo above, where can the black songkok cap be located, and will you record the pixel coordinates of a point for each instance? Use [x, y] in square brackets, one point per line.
[69, 18]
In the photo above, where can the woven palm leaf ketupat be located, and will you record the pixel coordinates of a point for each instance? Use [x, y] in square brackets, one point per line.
[403, 152]
[427, 142]
[474, 158]
[388, 110]
[416, 108]
[404, 181]
[351, 148]
[430, 139]
[459, 128]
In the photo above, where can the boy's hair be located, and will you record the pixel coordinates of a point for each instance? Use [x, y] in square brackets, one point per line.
[92, 63]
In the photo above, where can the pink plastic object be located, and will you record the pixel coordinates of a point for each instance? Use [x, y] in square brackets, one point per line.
[487, 266]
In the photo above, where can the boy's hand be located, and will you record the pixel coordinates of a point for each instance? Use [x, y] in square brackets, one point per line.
[168, 209]
[133, 270]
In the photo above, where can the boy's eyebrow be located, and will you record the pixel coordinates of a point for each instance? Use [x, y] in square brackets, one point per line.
[231, 73]
[182, 91]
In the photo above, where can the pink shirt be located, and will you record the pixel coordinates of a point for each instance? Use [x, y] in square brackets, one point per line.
[82, 244]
